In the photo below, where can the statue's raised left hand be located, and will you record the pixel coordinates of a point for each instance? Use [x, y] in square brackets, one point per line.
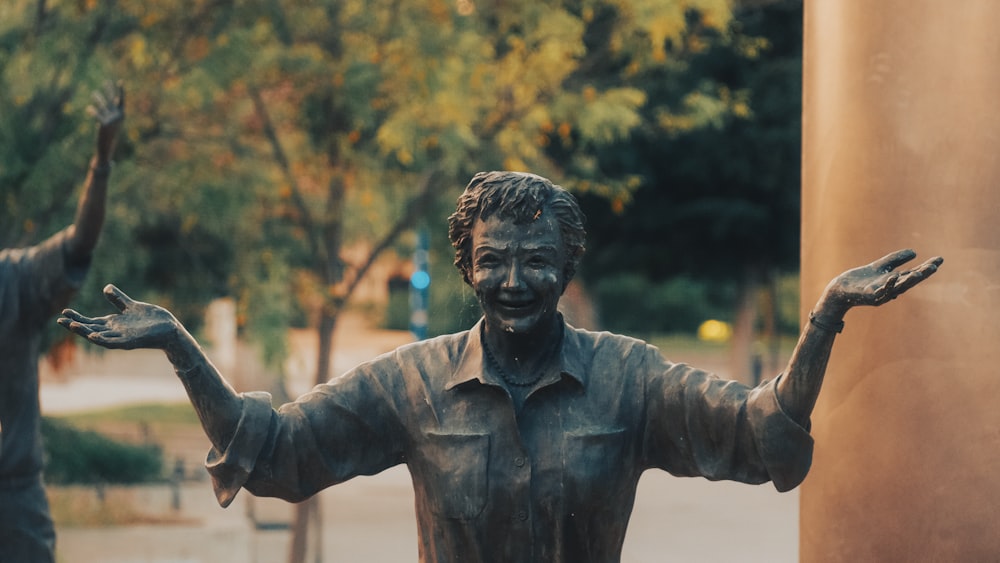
[137, 325]
[876, 283]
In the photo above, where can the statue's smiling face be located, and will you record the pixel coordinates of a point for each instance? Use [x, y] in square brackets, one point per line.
[517, 271]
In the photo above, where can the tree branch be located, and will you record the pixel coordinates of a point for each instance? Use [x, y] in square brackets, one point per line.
[414, 208]
[278, 152]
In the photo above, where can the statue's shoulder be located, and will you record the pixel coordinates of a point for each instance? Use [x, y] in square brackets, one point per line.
[602, 339]
[433, 349]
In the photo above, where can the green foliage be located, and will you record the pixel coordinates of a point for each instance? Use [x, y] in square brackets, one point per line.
[720, 199]
[263, 138]
[787, 289]
[75, 456]
[453, 304]
[629, 303]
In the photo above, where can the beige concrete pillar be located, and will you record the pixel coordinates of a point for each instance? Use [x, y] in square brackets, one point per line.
[901, 148]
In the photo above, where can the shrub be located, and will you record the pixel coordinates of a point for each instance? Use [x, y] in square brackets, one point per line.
[74, 456]
[631, 304]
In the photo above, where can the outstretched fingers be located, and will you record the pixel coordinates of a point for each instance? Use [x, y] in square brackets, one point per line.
[72, 319]
[76, 327]
[887, 291]
[894, 260]
[117, 298]
[118, 88]
[918, 274]
[98, 330]
[72, 315]
[107, 105]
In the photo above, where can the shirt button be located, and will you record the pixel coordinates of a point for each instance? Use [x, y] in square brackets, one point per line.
[522, 515]
[519, 461]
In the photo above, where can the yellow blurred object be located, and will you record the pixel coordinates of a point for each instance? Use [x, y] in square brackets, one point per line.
[715, 331]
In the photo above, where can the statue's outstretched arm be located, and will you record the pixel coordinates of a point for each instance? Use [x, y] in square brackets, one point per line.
[873, 285]
[108, 108]
[143, 325]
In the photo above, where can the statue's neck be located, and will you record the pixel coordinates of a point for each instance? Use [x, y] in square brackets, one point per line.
[520, 355]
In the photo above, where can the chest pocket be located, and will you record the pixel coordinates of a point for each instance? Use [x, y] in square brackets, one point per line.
[455, 474]
[596, 465]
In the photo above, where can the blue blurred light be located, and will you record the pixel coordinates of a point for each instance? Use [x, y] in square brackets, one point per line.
[420, 280]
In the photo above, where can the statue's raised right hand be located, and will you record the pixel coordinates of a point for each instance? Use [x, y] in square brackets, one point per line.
[108, 108]
[137, 325]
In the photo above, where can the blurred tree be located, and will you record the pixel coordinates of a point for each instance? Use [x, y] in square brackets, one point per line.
[720, 202]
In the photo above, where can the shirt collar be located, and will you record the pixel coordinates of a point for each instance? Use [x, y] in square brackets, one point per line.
[470, 366]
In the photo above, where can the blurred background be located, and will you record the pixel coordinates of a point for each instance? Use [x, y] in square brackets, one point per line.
[287, 168]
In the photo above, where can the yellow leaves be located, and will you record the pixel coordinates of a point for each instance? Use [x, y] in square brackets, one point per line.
[514, 164]
[610, 115]
[752, 47]
[667, 24]
[439, 11]
[705, 107]
[714, 13]
[516, 44]
[465, 7]
[137, 53]
[404, 156]
[663, 21]
[696, 44]
[589, 94]
[149, 19]
[741, 109]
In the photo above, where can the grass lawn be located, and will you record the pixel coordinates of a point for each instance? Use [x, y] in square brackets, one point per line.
[151, 414]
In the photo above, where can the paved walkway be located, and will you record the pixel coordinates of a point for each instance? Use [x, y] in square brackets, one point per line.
[371, 518]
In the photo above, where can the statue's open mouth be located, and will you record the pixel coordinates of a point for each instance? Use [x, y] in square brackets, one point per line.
[518, 305]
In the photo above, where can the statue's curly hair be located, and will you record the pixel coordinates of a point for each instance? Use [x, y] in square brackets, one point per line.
[522, 198]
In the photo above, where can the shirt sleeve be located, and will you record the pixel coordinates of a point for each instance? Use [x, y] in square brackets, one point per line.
[230, 469]
[698, 424]
[341, 429]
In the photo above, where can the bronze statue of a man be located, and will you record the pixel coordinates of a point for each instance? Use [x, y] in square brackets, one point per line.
[525, 437]
[35, 283]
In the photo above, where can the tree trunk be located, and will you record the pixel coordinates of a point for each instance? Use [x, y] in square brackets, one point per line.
[308, 517]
